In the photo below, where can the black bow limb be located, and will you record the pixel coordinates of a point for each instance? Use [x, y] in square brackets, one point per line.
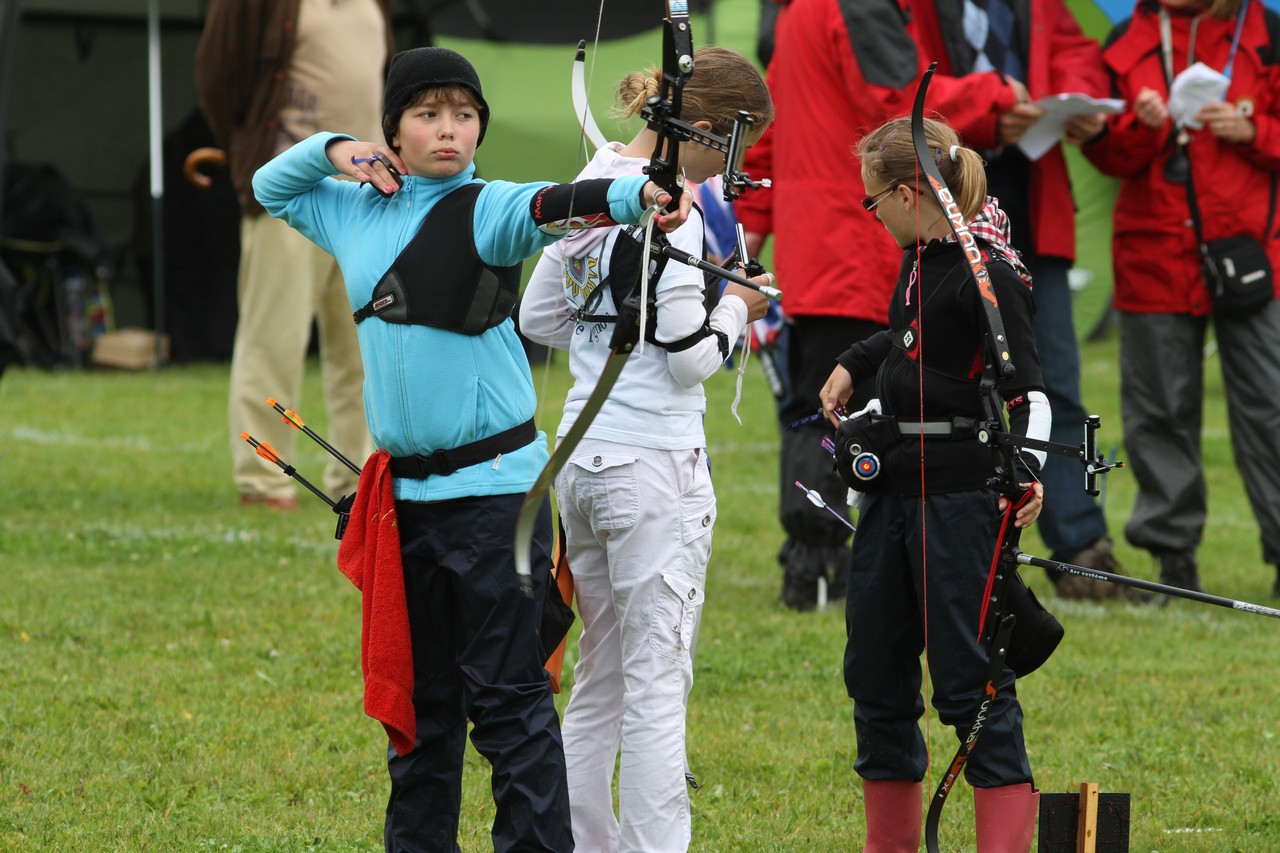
[998, 367]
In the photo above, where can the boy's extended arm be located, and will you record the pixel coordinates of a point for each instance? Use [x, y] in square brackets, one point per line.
[513, 221]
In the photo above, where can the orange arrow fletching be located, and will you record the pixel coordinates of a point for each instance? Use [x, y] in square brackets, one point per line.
[289, 416]
[267, 452]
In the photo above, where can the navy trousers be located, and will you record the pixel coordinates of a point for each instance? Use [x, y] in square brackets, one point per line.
[885, 618]
[1071, 519]
[476, 656]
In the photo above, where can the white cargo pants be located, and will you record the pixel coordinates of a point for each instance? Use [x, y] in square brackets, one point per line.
[639, 524]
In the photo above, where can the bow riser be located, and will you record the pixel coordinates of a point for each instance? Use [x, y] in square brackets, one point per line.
[664, 109]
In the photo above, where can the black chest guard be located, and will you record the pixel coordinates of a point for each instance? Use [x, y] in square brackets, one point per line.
[623, 284]
[439, 280]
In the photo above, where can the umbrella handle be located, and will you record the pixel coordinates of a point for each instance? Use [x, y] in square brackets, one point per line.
[199, 158]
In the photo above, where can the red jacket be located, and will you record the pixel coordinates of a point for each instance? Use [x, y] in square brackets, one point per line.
[1157, 266]
[841, 68]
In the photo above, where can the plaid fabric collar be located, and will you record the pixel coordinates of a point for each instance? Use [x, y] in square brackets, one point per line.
[991, 225]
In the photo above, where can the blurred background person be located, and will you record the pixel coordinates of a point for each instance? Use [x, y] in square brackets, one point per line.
[269, 75]
[1226, 152]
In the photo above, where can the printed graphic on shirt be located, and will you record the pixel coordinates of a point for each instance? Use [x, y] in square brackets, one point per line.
[581, 277]
[908, 340]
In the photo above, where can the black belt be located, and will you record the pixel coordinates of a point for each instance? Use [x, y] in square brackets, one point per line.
[442, 463]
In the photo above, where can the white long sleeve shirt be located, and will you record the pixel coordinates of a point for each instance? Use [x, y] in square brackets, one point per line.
[658, 401]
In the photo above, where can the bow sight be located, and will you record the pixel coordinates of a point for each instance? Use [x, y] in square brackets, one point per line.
[1090, 457]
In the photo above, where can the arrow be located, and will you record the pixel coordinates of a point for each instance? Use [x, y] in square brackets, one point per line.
[291, 417]
[267, 452]
[816, 500]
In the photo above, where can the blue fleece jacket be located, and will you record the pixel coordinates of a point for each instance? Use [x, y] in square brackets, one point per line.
[427, 389]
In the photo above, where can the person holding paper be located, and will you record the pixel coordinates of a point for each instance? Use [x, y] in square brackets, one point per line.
[1218, 138]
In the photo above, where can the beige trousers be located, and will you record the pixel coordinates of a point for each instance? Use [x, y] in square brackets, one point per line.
[286, 281]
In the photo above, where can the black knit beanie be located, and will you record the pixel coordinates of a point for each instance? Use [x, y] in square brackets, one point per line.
[421, 68]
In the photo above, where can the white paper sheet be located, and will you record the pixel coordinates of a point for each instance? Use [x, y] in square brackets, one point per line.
[1196, 86]
[1058, 110]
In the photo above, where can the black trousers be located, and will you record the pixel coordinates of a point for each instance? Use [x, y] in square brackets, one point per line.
[885, 608]
[476, 656]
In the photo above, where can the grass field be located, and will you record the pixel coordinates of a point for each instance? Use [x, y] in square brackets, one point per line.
[180, 673]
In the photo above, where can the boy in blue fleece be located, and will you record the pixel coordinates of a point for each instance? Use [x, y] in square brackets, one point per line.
[449, 395]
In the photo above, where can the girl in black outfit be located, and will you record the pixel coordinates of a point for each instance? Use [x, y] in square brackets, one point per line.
[932, 491]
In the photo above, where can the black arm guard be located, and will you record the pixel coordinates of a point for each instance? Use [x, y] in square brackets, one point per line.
[561, 208]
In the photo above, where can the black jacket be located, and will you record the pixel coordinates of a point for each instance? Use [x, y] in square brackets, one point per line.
[944, 346]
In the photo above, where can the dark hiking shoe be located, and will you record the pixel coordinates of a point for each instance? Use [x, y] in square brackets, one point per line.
[1178, 568]
[1100, 557]
[838, 575]
[1097, 556]
[799, 593]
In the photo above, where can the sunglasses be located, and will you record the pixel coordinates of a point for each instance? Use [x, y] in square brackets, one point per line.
[871, 202]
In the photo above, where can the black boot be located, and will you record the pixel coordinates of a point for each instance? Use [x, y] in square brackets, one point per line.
[1097, 556]
[1178, 568]
[799, 576]
[816, 545]
[803, 564]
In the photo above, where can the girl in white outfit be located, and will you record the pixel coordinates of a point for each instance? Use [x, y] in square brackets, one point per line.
[636, 497]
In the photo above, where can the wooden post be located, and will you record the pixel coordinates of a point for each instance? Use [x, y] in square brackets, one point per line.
[1087, 824]
[1084, 822]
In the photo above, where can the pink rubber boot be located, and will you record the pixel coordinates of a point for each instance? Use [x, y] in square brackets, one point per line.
[893, 810]
[1006, 818]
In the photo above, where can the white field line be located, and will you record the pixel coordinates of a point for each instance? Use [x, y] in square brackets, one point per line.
[141, 444]
[127, 535]
[754, 448]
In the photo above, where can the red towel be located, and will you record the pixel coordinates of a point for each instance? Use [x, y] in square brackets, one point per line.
[370, 558]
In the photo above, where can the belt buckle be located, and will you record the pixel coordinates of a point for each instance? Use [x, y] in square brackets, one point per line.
[440, 464]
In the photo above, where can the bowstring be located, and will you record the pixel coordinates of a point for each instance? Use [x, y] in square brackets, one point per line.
[578, 165]
[924, 540]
